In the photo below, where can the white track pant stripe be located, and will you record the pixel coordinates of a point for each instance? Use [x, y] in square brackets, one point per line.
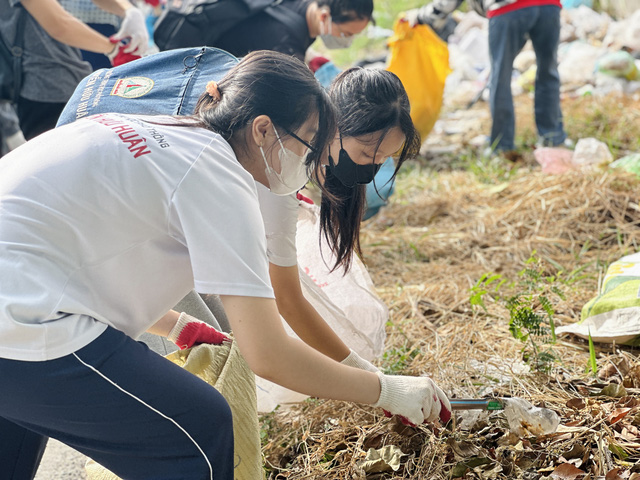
[151, 408]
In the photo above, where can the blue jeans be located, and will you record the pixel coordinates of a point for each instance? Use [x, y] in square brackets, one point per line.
[508, 34]
[109, 400]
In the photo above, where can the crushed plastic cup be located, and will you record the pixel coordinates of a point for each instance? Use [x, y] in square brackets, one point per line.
[526, 420]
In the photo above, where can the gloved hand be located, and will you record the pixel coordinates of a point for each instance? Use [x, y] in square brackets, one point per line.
[411, 17]
[356, 361]
[422, 16]
[118, 56]
[190, 331]
[134, 28]
[418, 399]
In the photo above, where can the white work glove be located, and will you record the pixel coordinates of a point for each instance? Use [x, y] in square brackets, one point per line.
[134, 28]
[423, 15]
[356, 361]
[418, 399]
[411, 17]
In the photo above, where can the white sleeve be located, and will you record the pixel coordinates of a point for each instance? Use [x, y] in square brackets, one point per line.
[280, 216]
[215, 208]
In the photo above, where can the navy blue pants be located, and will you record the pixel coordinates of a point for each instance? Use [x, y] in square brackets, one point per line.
[109, 401]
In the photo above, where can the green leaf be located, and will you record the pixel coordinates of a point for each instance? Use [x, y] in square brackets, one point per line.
[592, 355]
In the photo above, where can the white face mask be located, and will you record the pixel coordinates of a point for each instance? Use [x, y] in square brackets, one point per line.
[331, 41]
[293, 171]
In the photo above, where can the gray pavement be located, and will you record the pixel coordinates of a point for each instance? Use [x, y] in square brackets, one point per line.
[61, 463]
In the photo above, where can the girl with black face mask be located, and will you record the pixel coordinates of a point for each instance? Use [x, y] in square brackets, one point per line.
[373, 124]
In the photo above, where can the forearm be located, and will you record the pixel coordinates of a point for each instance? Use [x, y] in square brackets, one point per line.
[117, 7]
[301, 316]
[65, 28]
[312, 329]
[163, 326]
[298, 367]
[274, 355]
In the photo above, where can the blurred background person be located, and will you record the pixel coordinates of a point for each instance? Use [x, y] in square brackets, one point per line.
[52, 64]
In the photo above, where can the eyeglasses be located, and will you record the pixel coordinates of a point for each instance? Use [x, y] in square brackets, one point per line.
[312, 149]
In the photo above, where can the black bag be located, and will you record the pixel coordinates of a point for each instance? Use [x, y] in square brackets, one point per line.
[11, 63]
[192, 23]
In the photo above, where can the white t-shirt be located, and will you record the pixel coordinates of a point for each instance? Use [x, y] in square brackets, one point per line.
[111, 220]
[280, 216]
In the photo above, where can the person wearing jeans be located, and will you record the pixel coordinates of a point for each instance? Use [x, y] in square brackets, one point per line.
[511, 24]
[508, 34]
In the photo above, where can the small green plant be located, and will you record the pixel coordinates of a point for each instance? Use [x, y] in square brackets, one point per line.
[395, 360]
[531, 314]
[487, 283]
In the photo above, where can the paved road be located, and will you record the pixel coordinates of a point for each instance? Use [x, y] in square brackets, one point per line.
[61, 463]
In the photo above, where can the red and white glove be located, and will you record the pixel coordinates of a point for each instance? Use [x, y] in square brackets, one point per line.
[190, 331]
[118, 56]
[418, 399]
[356, 361]
[133, 28]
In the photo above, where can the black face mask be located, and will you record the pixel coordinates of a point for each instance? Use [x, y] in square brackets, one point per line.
[349, 172]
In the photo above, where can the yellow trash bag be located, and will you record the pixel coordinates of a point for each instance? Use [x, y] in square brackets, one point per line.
[223, 367]
[421, 60]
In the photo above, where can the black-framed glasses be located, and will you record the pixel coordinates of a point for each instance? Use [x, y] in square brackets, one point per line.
[311, 149]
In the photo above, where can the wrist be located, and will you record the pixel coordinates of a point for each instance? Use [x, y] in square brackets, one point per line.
[182, 322]
[356, 361]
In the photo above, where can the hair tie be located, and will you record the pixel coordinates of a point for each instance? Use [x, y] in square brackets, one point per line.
[213, 91]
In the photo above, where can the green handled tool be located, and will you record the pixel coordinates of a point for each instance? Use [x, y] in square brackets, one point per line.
[476, 404]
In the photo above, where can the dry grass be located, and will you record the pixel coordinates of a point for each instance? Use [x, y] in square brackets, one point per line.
[446, 233]
[442, 232]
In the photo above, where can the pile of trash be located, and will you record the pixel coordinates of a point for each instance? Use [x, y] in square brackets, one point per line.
[598, 55]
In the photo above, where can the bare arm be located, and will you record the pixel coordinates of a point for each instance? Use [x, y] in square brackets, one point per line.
[117, 7]
[274, 355]
[301, 316]
[163, 326]
[65, 28]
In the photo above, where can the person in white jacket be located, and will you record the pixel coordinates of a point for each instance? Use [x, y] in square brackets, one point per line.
[107, 222]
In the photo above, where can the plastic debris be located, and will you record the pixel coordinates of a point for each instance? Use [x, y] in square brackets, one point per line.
[526, 420]
[590, 151]
[554, 159]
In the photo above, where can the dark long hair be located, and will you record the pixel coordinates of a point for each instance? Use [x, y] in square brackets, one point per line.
[273, 84]
[367, 101]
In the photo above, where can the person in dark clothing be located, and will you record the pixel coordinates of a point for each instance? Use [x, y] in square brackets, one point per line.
[334, 21]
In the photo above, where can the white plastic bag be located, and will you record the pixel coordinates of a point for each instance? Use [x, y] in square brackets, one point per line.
[591, 151]
[348, 303]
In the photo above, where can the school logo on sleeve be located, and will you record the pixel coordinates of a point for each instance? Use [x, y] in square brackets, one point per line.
[132, 87]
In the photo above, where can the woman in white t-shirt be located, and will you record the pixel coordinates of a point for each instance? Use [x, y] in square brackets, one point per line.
[107, 222]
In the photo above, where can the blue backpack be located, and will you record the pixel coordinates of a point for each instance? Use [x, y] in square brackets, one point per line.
[168, 83]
